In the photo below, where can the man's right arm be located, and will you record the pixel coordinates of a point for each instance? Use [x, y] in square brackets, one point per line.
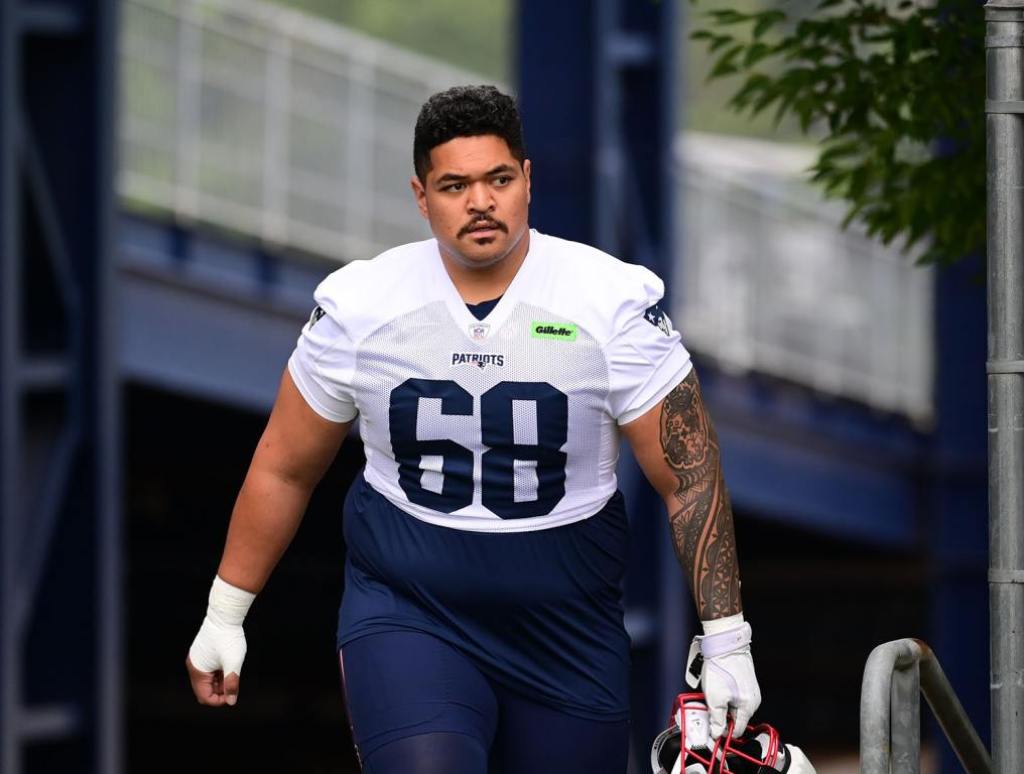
[297, 447]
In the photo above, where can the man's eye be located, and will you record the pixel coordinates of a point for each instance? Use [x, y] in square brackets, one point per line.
[502, 180]
[454, 187]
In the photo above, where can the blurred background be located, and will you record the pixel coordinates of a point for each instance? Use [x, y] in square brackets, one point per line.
[178, 175]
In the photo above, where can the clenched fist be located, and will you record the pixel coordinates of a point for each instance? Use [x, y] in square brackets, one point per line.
[215, 659]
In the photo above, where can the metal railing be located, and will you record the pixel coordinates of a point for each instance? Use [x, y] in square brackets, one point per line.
[770, 283]
[269, 123]
[897, 673]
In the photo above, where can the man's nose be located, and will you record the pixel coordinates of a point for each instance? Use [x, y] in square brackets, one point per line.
[480, 199]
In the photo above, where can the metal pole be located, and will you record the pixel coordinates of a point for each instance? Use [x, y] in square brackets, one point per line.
[110, 550]
[1004, 105]
[905, 719]
[11, 429]
[950, 713]
[890, 711]
[876, 697]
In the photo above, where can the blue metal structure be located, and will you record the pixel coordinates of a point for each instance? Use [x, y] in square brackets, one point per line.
[60, 697]
[215, 319]
[596, 89]
[956, 487]
[207, 318]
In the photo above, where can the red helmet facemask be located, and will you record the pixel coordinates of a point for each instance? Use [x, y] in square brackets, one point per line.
[756, 751]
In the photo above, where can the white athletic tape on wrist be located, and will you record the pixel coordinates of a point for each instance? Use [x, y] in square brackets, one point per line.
[220, 643]
[228, 604]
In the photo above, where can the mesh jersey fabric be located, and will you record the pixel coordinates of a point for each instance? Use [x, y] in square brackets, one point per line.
[506, 424]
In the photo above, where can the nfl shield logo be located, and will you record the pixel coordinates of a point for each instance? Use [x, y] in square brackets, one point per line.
[478, 331]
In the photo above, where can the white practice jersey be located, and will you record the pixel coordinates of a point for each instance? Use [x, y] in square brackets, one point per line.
[509, 423]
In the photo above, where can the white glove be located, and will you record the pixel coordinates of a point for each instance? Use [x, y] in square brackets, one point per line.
[726, 673]
[220, 643]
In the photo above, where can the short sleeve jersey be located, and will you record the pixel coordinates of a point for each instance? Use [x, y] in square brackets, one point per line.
[509, 423]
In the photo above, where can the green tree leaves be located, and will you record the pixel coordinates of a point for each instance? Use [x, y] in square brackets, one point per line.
[897, 90]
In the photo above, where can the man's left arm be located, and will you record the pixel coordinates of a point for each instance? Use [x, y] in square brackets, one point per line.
[677, 448]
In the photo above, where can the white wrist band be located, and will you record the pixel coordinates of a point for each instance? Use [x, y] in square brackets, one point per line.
[228, 604]
[719, 625]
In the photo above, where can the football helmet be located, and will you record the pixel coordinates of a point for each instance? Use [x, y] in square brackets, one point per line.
[686, 746]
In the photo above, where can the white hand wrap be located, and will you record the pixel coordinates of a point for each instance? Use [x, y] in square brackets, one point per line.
[727, 673]
[220, 643]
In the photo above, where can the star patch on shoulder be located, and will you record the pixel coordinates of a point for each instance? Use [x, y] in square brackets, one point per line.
[656, 317]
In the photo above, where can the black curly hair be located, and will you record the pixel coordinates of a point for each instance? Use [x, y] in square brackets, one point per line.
[465, 111]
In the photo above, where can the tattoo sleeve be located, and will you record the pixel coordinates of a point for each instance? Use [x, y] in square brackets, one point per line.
[700, 515]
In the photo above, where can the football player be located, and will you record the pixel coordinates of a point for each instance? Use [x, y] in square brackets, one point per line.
[494, 370]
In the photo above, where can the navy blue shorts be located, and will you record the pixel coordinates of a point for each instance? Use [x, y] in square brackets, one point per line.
[419, 706]
[538, 613]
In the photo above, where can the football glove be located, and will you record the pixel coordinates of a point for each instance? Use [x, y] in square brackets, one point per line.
[720, 661]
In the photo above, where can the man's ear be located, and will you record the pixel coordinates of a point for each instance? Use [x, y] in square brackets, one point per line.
[421, 196]
[526, 174]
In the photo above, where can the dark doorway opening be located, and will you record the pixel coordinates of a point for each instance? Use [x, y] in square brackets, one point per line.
[185, 460]
[818, 606]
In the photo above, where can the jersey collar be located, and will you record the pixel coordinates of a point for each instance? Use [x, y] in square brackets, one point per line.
[457, 307]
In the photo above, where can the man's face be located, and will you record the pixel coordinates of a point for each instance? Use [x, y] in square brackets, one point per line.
[476, 197]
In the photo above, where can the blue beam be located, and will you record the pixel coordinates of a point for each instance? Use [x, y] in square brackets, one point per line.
[556, 99]
[826, 465]
[957, 493]
[824, 493]
[208, 317]
[596, 93]
[60, 487]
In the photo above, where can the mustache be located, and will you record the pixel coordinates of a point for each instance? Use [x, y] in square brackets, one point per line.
[492, 222]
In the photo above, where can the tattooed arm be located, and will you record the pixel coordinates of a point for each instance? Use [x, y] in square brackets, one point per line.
[677, 448]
